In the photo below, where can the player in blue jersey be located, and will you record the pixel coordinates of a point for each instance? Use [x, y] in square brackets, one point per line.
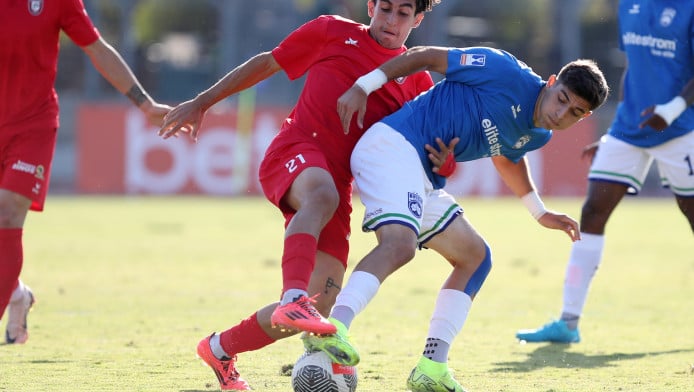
[489, 105]
[654, 122]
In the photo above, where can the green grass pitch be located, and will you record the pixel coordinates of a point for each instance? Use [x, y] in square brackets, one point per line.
[126, 287]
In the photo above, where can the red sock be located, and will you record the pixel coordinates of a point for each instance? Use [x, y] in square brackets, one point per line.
[298, 261]
[246, 336]
[11, 258]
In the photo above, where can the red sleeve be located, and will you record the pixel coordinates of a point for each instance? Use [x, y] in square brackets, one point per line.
[76, 23]
[300, 49]
[424, 81]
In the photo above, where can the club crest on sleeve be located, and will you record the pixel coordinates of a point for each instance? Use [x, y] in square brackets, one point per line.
[522, 141]
[35, 6]
[473, 59]
[414, 203]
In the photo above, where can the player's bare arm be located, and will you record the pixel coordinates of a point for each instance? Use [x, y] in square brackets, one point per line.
[187, 116]
[589, 151]
[661, 116]
[517, 177]
[419, 58]
[114, 69]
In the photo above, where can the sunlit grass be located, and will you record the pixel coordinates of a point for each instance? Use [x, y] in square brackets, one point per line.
[126, 287]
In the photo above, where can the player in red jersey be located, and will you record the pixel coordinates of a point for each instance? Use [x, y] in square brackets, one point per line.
[305, 171]
[29, 33]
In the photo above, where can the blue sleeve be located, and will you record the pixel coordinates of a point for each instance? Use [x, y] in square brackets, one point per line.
[535, 143]
[481, 66]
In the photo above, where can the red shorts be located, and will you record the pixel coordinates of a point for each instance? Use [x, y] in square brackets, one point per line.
[284, 161]
[26, 153]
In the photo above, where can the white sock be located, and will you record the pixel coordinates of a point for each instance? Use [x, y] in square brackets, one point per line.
[216, 347]
[353, 298]
[292, 295]
[450, 313]
[583, 262]
[18, 293]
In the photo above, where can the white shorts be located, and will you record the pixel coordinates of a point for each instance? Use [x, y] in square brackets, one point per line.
[394, 187]
[623, 163]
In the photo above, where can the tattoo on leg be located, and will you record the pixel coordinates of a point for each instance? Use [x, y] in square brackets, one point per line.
[136, 95]
[331, 283]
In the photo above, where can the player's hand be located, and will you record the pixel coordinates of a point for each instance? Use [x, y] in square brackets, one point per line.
[353, 100]
[185, 117]
[155, 113]
[654, 121]
[590, 150]
[443, 158]
[565, 223]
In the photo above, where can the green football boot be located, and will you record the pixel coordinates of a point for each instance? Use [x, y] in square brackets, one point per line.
[337, 345]
[430, 376]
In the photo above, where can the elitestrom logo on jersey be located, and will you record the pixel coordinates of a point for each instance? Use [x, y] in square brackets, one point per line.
[414, 203]
[35, 6]
[492, 134]
[473, 59]
[350, 41]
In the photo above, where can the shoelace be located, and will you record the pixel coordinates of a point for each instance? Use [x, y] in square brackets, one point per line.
[229, 369]
[306, 303]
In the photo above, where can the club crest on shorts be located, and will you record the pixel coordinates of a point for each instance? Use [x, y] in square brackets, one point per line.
[35, 6]
[414, 203]
[40, 172]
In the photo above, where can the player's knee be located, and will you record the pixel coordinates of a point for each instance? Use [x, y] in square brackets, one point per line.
[12, 211]
[480, 274]
[399, 250]
[593, 218]
[326, 198]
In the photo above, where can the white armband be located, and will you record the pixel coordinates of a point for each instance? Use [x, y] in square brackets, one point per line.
[372, 81]
[671, 110]
[534, 204]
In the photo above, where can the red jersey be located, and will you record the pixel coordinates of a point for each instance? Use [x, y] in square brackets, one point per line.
[333, 52]
[29, 33]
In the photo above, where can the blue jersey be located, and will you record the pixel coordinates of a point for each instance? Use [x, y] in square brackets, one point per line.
[487, 99]
[658, 40]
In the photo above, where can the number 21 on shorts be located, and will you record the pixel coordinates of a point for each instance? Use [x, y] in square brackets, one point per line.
[294, 163]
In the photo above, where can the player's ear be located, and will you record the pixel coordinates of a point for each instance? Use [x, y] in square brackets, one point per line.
[552, 79]
[418, 19]
[370, 4]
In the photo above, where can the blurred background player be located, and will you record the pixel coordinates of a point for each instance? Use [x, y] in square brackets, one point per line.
[29, 36]
[654, 122]
[489, 105]
[305, 171]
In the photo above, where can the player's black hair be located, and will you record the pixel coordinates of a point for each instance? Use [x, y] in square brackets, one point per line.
[585, 79]
[421, 5]
[425, 5]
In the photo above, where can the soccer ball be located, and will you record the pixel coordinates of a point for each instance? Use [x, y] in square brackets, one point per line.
[315, 372]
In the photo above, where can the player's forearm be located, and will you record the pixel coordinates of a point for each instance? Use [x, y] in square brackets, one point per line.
[669, 111]
[113, 68]
[688, 92]
[419, 58]
[246, 75]
[515, 175]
